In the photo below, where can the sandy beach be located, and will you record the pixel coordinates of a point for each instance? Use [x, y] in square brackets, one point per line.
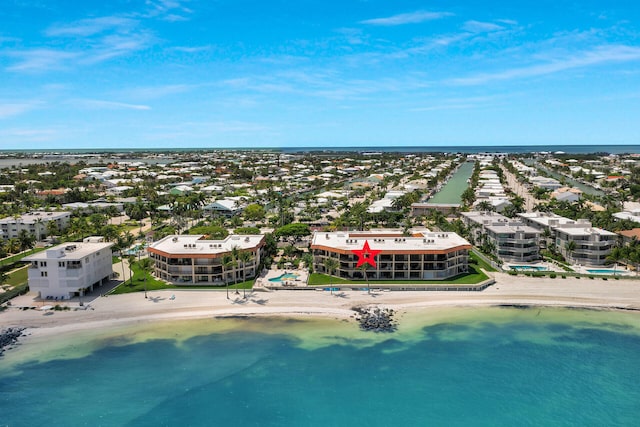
[119, 310]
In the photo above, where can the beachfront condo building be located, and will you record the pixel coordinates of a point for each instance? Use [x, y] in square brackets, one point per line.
[509, 239]
[196, 260]
[422, 255]
[591, 245]
[70, 269]
[35, 223]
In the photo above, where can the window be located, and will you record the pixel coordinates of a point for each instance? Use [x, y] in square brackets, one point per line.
[61, 263]
[43, 274]
[43, 263]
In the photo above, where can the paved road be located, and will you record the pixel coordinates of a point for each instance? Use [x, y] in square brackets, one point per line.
[530, 202]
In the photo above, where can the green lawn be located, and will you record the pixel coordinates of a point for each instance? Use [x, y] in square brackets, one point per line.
[155, 284]
[138, 283]
[18, 280]
[241, 285]
[481, 263]
[15, 258]
[18, 277]
[473, 277]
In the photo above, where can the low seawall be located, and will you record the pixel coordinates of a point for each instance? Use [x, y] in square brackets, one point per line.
[391, 287]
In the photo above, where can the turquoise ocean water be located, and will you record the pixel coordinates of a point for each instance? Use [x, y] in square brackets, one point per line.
[489, 367]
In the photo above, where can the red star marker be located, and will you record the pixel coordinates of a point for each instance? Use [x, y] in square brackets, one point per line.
[366, 255]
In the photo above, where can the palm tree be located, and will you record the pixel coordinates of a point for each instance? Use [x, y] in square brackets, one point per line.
[244, 256]
[119, 246]
[485, 206]
[3, 276]
[145, 264]
[131, 259]
[570, 246]
[615, 256]
[331, 265]
[227, 263]
[234, 256]
[518, 203]
[26, 240]
[468, 196]
[13, 245]
[546, 234]
[364, 267]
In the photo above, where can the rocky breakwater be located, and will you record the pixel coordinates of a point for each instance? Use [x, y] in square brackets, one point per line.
[376, 319]
[9, 337]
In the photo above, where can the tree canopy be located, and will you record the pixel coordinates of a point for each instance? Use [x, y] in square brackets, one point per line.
[214, 232]
[295, 229]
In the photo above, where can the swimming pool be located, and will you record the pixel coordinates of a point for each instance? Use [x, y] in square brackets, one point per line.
[134, 250]
[528, 268]
[607, 271]
[285, 276]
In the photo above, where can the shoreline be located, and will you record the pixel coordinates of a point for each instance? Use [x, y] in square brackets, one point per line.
[314, 319]
[104, 312]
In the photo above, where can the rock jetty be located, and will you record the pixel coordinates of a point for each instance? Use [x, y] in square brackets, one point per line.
[9, 337]
[375, 319]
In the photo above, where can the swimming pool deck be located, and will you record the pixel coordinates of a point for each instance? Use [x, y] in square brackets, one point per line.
[538, 266]
[265, 279]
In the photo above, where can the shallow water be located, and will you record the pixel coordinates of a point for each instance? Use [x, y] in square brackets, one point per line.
[455, 366]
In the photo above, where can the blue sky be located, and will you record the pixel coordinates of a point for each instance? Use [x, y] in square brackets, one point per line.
[236, 73]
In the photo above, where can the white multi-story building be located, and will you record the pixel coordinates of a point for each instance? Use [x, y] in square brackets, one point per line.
[70, 269]
[195, 260]
[423, 255]
[591, 245]
[35, 223]
[546, 183]
[511, 240]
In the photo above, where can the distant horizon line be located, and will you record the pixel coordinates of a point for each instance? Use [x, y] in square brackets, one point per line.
[312, 148]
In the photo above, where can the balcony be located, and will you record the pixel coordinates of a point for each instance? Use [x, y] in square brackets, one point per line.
[179, 270]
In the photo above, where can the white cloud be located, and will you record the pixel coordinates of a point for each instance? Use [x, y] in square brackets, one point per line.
[89, 27]
[168, 10]
[191, 49]
[460, 104]
[117, 45]
[40, 59]
[481, 27]
[11, 109]
[598, 56]
[99, 104]
[21, 135]
[172, 17]
[154, 92]
[407, 18]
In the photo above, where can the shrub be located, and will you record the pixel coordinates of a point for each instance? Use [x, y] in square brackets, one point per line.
[552, 275]
[591, 277]
[564, 276]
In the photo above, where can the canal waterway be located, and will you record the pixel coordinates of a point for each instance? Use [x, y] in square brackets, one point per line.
[455, 186]
[587, 189]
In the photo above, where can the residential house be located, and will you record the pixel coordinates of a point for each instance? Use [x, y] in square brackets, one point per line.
[70, 269]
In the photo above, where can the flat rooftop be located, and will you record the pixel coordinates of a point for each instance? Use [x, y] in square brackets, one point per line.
[33, 217]
[69, 251]
[196, 244]
[388, 240]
